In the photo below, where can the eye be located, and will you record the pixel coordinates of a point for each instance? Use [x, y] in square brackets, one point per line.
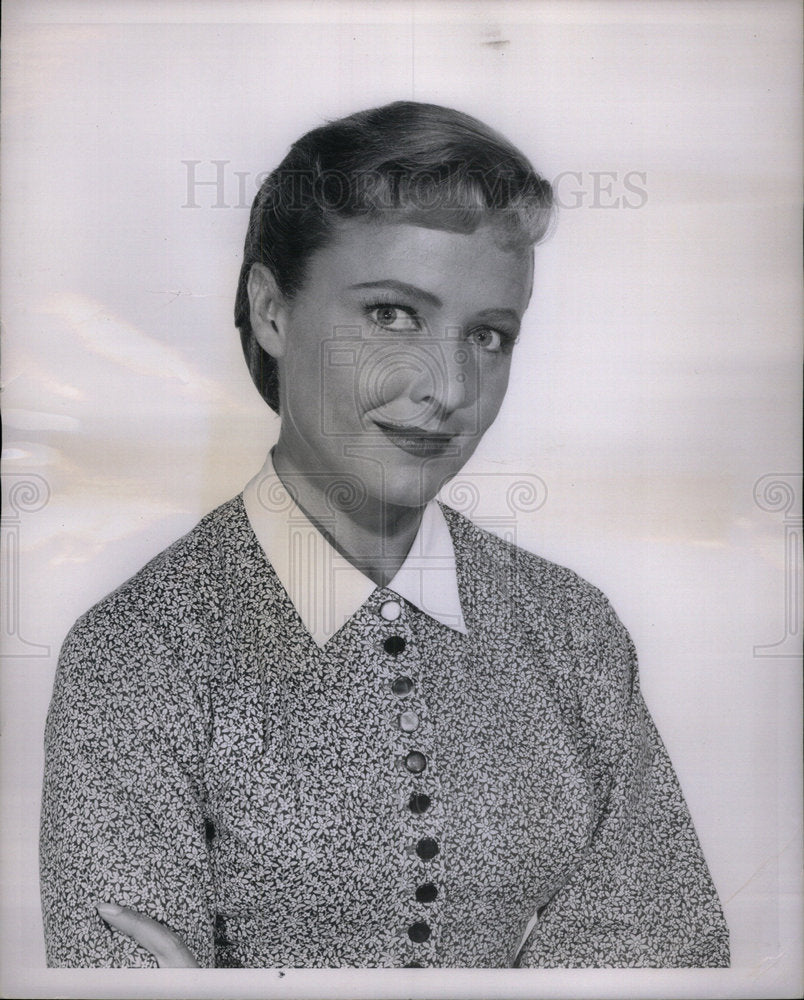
[487, 339]
[398, 319]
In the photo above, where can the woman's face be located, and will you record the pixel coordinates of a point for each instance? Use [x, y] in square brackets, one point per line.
[395, 356]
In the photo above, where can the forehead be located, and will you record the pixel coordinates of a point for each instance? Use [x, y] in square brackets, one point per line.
[472, 267]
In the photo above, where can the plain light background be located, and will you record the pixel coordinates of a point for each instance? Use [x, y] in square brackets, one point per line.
[656, 381]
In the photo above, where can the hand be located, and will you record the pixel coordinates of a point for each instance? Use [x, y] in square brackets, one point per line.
[166, 946]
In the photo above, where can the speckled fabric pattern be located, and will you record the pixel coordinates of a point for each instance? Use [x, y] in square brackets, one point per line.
[211, 766]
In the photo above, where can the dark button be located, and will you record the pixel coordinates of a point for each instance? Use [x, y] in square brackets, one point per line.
[419, 932]
[394, 645]
[415, 762]
[426, 893]
[209, 830]
[419, 803]
[402, 686]
[221, 939]
[427, 848]
[413, 965]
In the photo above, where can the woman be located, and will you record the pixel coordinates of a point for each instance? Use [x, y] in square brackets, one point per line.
[338, 724]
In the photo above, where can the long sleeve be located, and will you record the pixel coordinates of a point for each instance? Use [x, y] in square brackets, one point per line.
[641, 894]
[210, 765]
[122, 811]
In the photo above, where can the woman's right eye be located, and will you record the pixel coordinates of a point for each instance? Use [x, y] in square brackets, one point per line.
[397, 319]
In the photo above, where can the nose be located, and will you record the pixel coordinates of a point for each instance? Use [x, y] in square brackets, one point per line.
[442, 383]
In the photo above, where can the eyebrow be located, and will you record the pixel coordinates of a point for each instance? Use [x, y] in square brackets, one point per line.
[492, 315]
[403, 288]
[500, 315]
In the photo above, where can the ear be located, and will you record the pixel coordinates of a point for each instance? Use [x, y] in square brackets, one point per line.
[268, 312]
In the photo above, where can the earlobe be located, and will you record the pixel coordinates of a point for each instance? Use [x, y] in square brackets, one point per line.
[267, 313]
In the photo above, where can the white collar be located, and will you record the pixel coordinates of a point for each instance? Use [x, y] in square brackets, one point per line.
[325, 588]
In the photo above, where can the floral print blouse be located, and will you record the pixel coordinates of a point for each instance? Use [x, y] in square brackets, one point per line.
[406, 795]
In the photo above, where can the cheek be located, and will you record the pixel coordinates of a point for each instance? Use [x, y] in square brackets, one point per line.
[319, 373]
[492, 385]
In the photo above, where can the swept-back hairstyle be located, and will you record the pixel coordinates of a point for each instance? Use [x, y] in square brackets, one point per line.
[419, 163]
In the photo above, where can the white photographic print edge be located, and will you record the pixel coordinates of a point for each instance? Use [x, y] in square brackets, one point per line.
[652, 413]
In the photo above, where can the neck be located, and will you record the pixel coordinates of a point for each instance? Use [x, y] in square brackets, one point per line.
[375, 537]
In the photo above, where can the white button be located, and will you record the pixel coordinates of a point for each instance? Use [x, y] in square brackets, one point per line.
[391, 610]
[408, 722]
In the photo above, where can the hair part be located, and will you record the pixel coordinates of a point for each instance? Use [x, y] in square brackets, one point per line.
[408, 162]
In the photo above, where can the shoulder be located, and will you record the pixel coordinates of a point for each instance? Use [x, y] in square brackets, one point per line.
[178, 592]
[537, 607]
[522, 574]
[141, 659]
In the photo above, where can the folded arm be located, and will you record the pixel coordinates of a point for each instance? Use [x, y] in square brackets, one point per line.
[122, 811]
[641, 894]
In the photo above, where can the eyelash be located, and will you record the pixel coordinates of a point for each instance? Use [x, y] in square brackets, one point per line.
[391, 304]
[507, 340]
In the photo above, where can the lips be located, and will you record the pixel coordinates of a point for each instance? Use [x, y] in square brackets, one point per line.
[416, 440]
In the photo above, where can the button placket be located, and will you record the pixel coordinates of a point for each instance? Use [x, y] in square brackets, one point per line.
[414, 738]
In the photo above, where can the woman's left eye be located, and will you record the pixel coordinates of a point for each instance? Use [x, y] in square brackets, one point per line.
[486, 338]
[395, 318]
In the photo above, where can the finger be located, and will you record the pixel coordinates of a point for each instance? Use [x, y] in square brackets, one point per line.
[164, 944]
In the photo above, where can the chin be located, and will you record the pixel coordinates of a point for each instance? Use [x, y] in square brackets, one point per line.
[415, 487]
